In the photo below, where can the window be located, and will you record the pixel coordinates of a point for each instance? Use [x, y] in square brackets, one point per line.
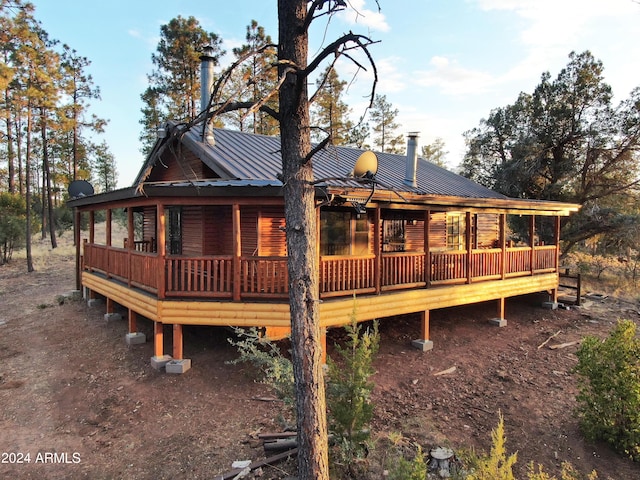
[335, 232]
[343, 232]
[174, 230]
[393, 235]
[455, 231]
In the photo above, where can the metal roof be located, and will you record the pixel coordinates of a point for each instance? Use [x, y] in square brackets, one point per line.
[247, 156]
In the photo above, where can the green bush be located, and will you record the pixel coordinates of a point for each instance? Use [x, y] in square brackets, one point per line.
[276, 370]
[496, 465]
[404, 469]
[12, 224]
[609, 389]
[349, 390]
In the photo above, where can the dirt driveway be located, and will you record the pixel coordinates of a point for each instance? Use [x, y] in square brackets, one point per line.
[81, 404]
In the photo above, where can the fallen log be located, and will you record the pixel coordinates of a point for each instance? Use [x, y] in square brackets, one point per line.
[563, 345]
[275, 436]
[548, 339]
[445, 372]
[280, 444]
[257, 464]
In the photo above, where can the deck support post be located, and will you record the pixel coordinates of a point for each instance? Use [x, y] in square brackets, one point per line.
[134, 337]
[178, 364]
[111, 315]
[552, 304]
[499, 321]
[159, 359]
[423, 343]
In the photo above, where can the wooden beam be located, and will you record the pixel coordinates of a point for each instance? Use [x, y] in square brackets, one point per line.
[158, 339]
[427, 247]
[377, 248]
[532, 243]
[237, 250]
[130, 242]
[424, 325]
[109, 305]
[161, 222]
[77, 221]
[501, 308]
[468, 244]
[92, 227]
[503, 245]
[132, 321]
[108, 232]
[177, 341]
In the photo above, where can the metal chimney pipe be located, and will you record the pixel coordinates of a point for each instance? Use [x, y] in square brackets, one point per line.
[206, 85]
[412, 159]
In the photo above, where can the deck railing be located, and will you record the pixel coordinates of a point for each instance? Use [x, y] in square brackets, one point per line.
[199, 276]
[264, 276]
[216, 276]
[403, 269]
[340, 274]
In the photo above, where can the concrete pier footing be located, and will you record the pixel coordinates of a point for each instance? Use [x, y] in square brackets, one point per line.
[135, 338]
[178, 366]
[424, 345]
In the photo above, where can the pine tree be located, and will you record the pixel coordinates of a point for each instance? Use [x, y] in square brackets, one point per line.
[256, 80]
[79, 87]
[174, 85]
[383, 117]
[435, 152]
[104, 168]
[330, 113]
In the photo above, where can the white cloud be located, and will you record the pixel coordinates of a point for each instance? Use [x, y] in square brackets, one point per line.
[552, 23]
[359, 14]
[453, 79]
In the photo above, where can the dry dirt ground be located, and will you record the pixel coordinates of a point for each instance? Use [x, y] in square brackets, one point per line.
[81, 404]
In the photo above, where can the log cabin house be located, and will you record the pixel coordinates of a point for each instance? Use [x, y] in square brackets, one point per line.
[206, 243]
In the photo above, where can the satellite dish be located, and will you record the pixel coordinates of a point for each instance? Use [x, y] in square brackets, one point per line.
[366, 165]
[80, 188]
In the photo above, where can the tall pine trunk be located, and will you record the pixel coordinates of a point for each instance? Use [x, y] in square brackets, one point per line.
[46, 173]
[301, 222]
[27, 187]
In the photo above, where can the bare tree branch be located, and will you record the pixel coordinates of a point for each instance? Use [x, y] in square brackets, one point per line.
[338, 48]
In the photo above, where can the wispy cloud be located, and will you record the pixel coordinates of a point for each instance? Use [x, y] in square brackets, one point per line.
[360, 15]
[453, 79]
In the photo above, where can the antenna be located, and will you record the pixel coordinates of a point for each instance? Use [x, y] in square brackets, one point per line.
[80, 188]
[366, 166]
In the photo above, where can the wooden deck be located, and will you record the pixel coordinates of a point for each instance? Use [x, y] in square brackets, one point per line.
[333, 312]
[260, 278]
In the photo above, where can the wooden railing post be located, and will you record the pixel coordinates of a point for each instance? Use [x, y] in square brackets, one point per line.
[377, 247]
[108, 241]
[427, 248]
[162, 251]
[76, 240]
[469, 245]
[130, 243]
[237, 251]
[532, 233]
[503, 245]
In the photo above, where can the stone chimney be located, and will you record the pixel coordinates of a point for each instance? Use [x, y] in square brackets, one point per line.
[206, 85]
[412, 159]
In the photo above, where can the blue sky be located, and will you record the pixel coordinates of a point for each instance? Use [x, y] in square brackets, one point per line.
[444, 64]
